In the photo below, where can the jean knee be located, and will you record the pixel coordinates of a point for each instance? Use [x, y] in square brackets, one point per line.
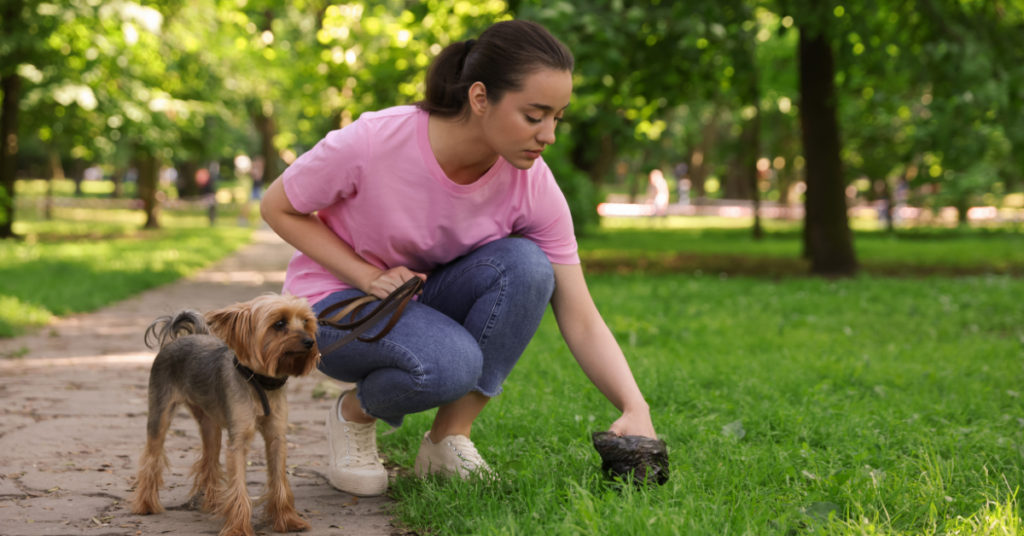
[529, 266]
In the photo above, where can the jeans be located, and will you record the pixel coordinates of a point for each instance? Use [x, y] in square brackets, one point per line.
[464, 334]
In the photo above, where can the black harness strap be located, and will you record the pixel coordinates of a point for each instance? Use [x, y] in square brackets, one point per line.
[261, 383]
[395, 302]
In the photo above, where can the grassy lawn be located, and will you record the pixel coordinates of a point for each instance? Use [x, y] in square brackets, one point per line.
[686, 244]
[894, 403]
[85, 259]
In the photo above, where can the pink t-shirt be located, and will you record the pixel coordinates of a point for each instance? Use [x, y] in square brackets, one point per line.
[377, 185]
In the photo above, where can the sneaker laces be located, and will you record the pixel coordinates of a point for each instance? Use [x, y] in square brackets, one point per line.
[466, 451]
[362, 444]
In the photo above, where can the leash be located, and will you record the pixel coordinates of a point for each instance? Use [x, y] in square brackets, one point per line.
[260, 382]
[395, 302]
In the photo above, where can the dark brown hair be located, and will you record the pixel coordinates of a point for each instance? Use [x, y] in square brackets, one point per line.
[501, 59]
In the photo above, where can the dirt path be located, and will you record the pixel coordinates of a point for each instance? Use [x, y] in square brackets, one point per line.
[73, 419]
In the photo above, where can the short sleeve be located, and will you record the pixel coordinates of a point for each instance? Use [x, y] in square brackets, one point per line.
[330, 171]
[549, 222]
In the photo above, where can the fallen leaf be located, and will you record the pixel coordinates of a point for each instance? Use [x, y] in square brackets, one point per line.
[734, 429]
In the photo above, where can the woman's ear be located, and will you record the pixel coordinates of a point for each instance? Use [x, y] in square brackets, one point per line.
[478, 98]
[235, 326]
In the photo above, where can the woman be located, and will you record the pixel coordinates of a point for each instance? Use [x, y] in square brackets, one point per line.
[434, 191]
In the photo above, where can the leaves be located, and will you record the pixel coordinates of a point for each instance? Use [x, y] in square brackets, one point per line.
[735, 430]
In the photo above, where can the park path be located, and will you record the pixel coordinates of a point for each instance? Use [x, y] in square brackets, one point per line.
[72, 422]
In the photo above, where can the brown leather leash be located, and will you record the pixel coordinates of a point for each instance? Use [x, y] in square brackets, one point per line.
[395, 302]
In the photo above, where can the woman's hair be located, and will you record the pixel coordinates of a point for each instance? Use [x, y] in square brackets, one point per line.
[503, 56]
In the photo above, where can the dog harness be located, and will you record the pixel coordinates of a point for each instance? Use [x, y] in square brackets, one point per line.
[261, 383]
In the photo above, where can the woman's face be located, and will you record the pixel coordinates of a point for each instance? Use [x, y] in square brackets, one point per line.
[523, 123]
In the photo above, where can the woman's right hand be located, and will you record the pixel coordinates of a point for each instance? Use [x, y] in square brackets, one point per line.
[384, 282]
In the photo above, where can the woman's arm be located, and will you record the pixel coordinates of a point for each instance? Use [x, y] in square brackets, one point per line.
[597, 351]
[313, 238]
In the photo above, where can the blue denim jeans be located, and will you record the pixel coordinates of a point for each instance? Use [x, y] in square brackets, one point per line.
[466, 332]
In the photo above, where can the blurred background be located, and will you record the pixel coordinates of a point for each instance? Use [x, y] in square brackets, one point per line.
[888, 114]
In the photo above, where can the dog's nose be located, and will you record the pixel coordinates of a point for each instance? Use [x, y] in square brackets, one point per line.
[308, 343]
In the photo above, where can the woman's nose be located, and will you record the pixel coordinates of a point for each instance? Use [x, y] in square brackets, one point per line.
[547, 134]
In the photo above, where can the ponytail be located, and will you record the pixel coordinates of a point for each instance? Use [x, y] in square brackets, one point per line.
[501, 59]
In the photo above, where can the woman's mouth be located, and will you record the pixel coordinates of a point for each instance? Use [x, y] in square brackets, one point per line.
[532, 155]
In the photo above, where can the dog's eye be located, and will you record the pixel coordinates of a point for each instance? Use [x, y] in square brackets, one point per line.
[280, 324]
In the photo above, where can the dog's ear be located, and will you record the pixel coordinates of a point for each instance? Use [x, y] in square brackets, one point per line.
[236, 326]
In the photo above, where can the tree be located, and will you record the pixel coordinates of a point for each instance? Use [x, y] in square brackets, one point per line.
[24, 28]
[827, 237]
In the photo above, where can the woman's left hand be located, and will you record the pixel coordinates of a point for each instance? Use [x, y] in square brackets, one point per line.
[636, 423]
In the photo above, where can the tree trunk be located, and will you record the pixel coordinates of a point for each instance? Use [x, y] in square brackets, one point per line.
[737, 181]
[700, 157]
[752, 143]
[148, 186]
[11, 86]
[827, 237]
[266, 127]
[78, 175]
[118, 179]
[962, 204]
[634, 186]
[187, 186]
[751, 136]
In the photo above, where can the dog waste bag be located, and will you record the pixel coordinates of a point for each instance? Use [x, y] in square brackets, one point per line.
[644, 458]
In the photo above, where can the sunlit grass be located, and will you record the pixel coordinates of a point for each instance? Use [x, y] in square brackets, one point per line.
[94, 258]
[894, 404]
[88, 222]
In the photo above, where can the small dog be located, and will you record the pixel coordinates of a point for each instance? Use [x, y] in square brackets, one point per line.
[226, 367]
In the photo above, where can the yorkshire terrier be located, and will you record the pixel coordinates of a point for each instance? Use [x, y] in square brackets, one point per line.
[227, 366]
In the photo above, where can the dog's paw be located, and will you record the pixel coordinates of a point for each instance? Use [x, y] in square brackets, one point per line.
[290, 523]
[144, 507]
[240, 529]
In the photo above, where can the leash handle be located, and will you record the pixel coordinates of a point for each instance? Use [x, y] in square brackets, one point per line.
[394, 302]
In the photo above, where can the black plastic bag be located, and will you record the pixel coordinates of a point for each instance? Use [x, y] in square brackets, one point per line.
[641, 458]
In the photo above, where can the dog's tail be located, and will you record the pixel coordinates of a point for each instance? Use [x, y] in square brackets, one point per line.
[167, 328]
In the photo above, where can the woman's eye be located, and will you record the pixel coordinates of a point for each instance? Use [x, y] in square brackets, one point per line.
[532, 120]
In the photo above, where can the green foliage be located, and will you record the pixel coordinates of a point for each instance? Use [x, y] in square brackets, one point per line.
[862, 398]
[60, 277]
[575, 185]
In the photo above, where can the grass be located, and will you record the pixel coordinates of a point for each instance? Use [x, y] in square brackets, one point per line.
[688, 244]
[85, 259]
[863, 406]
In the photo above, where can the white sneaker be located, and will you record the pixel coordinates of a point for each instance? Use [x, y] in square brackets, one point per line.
[454, 454]
[355, 467]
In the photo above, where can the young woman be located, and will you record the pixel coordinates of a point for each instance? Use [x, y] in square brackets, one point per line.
[434, 191]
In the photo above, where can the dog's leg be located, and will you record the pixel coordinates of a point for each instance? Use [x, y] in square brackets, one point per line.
[207, 472]
[279, 502]
[235, 506]
[153, 461]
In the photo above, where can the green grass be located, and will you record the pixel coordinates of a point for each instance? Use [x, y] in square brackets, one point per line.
[894, 402]
[88, 259]
[918, 249]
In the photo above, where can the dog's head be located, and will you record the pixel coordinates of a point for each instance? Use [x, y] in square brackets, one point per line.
[273, 335]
